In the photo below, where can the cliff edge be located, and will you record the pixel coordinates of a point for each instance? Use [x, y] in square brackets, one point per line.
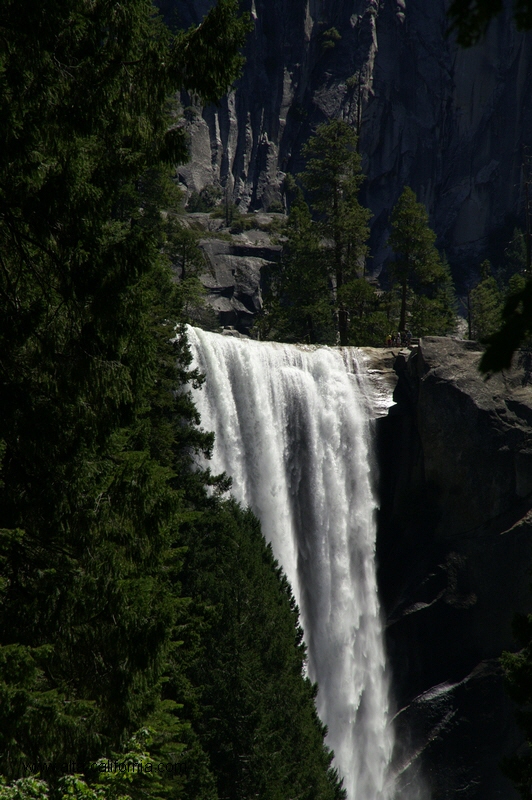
[455, 552]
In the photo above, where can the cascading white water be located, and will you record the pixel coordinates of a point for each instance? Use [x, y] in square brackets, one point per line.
[292, 430]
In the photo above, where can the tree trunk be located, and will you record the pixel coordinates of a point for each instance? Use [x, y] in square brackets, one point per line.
[342, 326]
[310, 330]
[402, 320]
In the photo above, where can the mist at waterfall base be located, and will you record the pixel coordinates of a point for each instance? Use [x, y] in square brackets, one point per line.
[292, 431]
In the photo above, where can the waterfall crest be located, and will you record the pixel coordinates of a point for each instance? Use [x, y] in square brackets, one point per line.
[292, 431]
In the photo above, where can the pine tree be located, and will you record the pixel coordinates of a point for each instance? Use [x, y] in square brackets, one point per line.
[97, 442]
[516, 255]
[323, 261]
[256, 716]
[298, 305]
[98, 436]
[486, 304]
[188, 263]
[422, 277]
[368, 321]
[333, 178]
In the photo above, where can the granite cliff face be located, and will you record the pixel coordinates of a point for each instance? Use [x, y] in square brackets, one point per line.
[451, 124]
[234, 267]
[455, 552]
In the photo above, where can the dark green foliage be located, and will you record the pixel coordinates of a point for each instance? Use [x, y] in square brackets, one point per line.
[173, 762]
[298, 306]
[333, 178]
[206, 59]
[255, 713]
[516, 328]
[316, 288]
[471, 18]
[518, 671]
[276, 207]
[516, 284]
[182, 246]
[85, 601]
[485, 305]
[188, 263]
[329, 38]
[108, 623]
[422, 277]
[238, 222]
[205, 200]
[97, 446]
[368, 318]
[515, 255]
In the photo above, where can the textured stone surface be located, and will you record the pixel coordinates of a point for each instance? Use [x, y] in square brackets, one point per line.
[233, 279]
[476, 434]
[450, 123]
[378, 363]
[455, 550]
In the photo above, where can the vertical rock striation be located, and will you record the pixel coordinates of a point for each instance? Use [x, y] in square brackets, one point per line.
[451, 124]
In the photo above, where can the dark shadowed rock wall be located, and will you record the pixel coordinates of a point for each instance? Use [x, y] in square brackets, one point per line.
[455, 552]
[452, 124]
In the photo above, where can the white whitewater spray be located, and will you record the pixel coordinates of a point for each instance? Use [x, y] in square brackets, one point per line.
[292, 431]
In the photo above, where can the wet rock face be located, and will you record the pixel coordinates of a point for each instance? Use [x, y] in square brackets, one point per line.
[455, 552]
[450, 123]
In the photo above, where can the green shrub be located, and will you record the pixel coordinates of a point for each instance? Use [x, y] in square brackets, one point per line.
[205, 200]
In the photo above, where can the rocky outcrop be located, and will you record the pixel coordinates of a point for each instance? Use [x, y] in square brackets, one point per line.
[455, 551]
[452, 124]
[234, 266]
[378, 367]
[233, 279]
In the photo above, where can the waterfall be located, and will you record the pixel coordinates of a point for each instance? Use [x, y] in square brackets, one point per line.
[293, 432]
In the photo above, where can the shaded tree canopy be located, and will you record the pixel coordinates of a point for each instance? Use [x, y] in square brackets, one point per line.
[333, 177]
[96, 445]
[485, 304]
[470, 18]
[324, 248]
[105, 517]
[516, 328]
[297, 303]
[422, 276]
